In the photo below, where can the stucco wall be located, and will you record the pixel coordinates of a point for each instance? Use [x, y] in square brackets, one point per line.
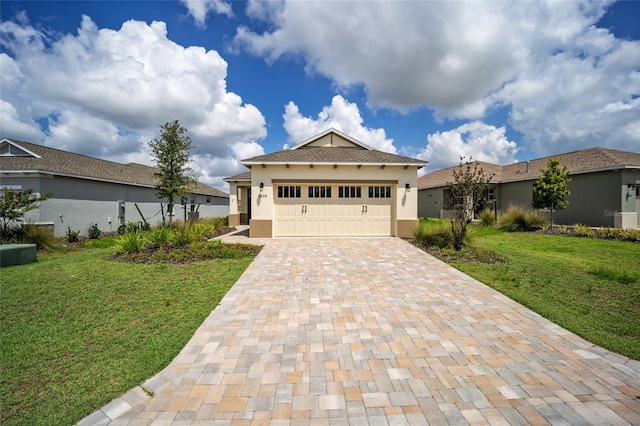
[81, 203]
[430, 202]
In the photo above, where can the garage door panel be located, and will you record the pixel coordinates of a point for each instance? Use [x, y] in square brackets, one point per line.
[333, 216]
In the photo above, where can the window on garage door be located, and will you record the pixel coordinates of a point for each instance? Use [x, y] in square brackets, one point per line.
[319, 191]
[349, 192]
[288, 191]
[379, 192]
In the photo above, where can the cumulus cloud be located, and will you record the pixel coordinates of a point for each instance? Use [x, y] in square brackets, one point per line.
[341, 115]
[569, 101]
[475, 140]
[105, 93]
[563, 79]
[199, 9]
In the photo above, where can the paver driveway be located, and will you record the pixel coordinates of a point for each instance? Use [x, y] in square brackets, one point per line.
[375, 331]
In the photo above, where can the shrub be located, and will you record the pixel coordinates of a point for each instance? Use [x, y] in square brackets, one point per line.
[131, 242]
[583, 230]
[189, 233]
[180, 236]
[610, 233]
[199, 231]
[94, 232]
[160, 237]
[487, 218]
[536, 219]
[433, 235]
[631, 235]
[133, 227]
[513, 220]
[72, 236]
[38, 235]
[519, 219]
[216, 222]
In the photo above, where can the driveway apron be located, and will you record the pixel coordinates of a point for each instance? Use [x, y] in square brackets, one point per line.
[376, 332]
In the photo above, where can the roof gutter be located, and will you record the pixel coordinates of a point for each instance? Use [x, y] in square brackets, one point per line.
[330, 163]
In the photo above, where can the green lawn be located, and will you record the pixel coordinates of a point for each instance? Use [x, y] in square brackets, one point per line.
[78, 329]
[590, 287]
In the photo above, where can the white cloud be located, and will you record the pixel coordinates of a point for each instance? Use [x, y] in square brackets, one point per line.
[13, 126]
[105, 92]
[341, 115]
[199, 9]
[569, 101]
[475, 140]
[546, 62]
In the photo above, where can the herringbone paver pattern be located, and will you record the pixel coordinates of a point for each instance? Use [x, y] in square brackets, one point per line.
[376, 332]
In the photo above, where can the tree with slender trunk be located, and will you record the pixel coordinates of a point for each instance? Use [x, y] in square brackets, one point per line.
[550, 189]
[171, 157]
[467, 191]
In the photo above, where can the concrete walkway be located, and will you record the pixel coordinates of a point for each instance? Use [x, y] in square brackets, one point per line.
[376, 332]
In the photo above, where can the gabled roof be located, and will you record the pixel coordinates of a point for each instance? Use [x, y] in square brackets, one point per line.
[577, 162]
[443, 176]
[53, 161]
[246, 176]
[349, 151]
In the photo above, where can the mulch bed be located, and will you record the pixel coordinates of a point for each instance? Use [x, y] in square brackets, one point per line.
[468, 254]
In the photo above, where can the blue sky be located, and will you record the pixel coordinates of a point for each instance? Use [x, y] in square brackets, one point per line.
[496, 81]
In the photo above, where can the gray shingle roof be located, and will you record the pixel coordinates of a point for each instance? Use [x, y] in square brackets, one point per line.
[584, 161]
[66, 163]
[332, 156]
[246, 176]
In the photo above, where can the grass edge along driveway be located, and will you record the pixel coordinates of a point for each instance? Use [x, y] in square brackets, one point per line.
[78, 329]
[590, 287]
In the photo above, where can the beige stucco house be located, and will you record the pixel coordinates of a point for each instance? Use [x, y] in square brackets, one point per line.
[328, 185]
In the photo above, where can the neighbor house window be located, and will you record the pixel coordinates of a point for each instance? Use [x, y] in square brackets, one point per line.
[379, 192]
[288, 191]
[490, 195]
[349, 192]
[320, 192]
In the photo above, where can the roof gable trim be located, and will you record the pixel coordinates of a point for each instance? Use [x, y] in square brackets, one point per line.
[17, 147]
[337, 133]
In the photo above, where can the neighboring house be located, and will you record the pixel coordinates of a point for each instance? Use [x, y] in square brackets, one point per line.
[88, 190]
[604, 188]
[329, 185]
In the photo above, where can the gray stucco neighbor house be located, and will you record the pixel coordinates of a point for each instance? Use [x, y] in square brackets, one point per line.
[88, 190]
[605, 188]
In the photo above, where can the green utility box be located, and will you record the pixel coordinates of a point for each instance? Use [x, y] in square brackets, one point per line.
[17, 254]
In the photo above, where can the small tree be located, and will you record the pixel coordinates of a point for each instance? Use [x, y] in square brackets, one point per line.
[467, 191]
[550, 189]
[171, 156]
[13, 206]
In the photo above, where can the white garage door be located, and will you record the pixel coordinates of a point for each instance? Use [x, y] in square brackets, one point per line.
[333, 210]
